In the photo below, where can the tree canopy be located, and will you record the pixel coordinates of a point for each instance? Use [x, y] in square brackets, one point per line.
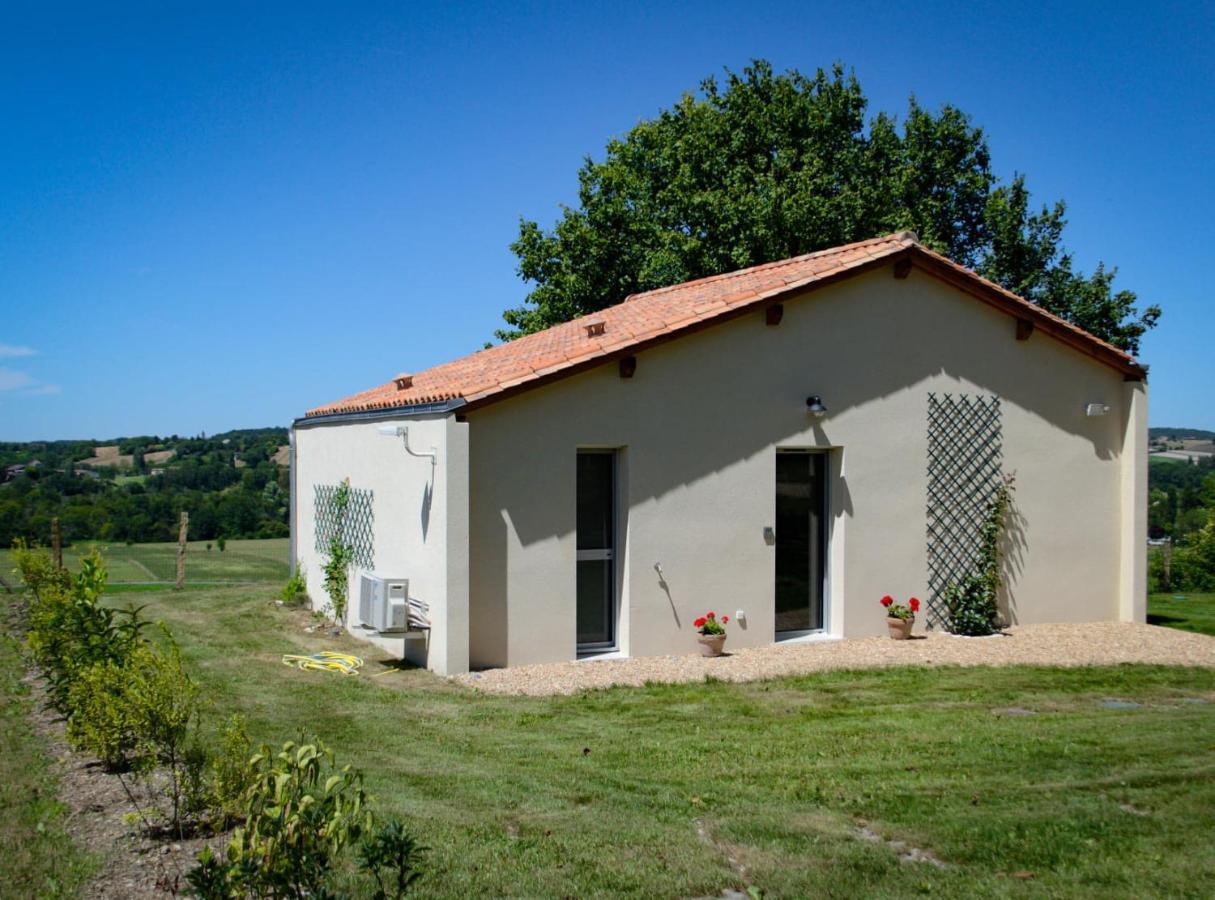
[768, 166]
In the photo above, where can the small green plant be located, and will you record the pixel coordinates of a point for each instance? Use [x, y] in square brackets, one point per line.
[301, 812]
[232, 772]
[392, 857]
[164, 710]
[221, 542]
[295, 591]
[212, 878]
[37, 569]
[340, 556]
[100, 722]
[972, 607]
[337, 577]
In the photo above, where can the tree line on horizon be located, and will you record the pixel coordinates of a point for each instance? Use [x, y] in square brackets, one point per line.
[228, 483]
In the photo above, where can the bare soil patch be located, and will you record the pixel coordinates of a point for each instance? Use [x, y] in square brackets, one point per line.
[132, 863]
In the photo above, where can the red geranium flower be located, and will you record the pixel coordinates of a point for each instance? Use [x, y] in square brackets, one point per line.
[915, 605]
[699, 622]
[887, 600]
[712, 615]
[725, 619]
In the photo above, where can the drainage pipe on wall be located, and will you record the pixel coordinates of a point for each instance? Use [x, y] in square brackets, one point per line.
[291, 498]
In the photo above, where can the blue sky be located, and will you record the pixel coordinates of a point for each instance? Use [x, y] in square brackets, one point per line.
[214, 216]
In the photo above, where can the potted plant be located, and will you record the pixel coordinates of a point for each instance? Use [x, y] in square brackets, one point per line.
[712, 633]
[900, 616]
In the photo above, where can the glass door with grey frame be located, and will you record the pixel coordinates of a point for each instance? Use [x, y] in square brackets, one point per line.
[596, 614]
[801, 541]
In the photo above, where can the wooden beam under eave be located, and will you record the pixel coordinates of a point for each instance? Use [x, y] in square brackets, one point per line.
[902, 267]
[1025, 327]
[628, 365]
[774, 313]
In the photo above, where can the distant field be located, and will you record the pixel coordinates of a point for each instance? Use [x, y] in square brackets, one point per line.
[241, 561]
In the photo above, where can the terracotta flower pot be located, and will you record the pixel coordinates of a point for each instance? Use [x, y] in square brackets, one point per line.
[711, 644]
[900, 629]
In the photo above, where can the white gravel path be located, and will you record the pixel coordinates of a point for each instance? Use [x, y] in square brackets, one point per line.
[1089, 644]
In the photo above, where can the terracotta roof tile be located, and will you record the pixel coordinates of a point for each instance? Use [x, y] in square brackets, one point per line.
[655, 315]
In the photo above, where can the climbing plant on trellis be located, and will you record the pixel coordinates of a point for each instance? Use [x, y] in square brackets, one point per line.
[355, 525]
[964, 472]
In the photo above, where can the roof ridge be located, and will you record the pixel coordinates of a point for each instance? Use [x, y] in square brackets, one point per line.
[895, 236]
[536, 358]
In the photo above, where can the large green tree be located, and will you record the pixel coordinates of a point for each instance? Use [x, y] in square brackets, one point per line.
[769, 166]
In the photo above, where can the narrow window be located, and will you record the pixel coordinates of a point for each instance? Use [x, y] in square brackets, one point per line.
[596, 615]
[801, 541]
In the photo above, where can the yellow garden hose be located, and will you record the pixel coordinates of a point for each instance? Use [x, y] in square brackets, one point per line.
[325, 661]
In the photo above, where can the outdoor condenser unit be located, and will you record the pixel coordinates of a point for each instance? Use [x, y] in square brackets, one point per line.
[383, 603]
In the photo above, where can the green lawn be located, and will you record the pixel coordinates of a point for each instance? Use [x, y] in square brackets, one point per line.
[39, 860]
[668, 790]
[1189, 612]
[244, 561]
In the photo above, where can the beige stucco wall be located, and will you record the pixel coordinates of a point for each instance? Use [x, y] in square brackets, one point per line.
[418, 506]
[699, 425]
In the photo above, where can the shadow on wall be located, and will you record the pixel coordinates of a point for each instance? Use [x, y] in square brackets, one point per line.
[1014, 543]
[666, 589]
[897, 351]
[428, 496]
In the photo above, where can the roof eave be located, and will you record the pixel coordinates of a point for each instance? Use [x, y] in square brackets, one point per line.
[414, 411]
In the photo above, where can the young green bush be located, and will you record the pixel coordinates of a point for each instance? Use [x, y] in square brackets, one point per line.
[70, 630]
[301, 812]
[36, 568]
[295, 591]
[392, 857]
[232, 773]
[972, 607]
[100, 722]
[164, 709]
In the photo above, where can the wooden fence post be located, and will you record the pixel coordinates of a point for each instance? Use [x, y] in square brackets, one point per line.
[56, 543]
[181, 549]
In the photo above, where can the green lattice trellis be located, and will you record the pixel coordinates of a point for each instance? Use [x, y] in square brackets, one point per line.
[358, 527]
[964, 470]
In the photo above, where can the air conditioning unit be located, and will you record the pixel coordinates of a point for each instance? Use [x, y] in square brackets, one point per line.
[383, 603]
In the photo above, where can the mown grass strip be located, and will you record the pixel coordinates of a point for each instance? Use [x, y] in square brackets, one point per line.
[39, 858]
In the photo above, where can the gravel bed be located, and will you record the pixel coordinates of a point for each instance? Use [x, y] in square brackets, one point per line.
[1088, 644]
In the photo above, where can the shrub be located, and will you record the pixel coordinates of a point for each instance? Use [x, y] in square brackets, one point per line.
[295, 591]
[972, 607]
[232, 772]
[36, 568]
[392, 857]
[164, 710]
[301, 812]
[100, 722]
[70, 630]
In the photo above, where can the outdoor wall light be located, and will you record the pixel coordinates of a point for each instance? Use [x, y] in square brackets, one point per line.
[814, 406]
[1095, 409]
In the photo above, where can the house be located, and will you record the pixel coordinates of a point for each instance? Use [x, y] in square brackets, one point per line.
[784, 444]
